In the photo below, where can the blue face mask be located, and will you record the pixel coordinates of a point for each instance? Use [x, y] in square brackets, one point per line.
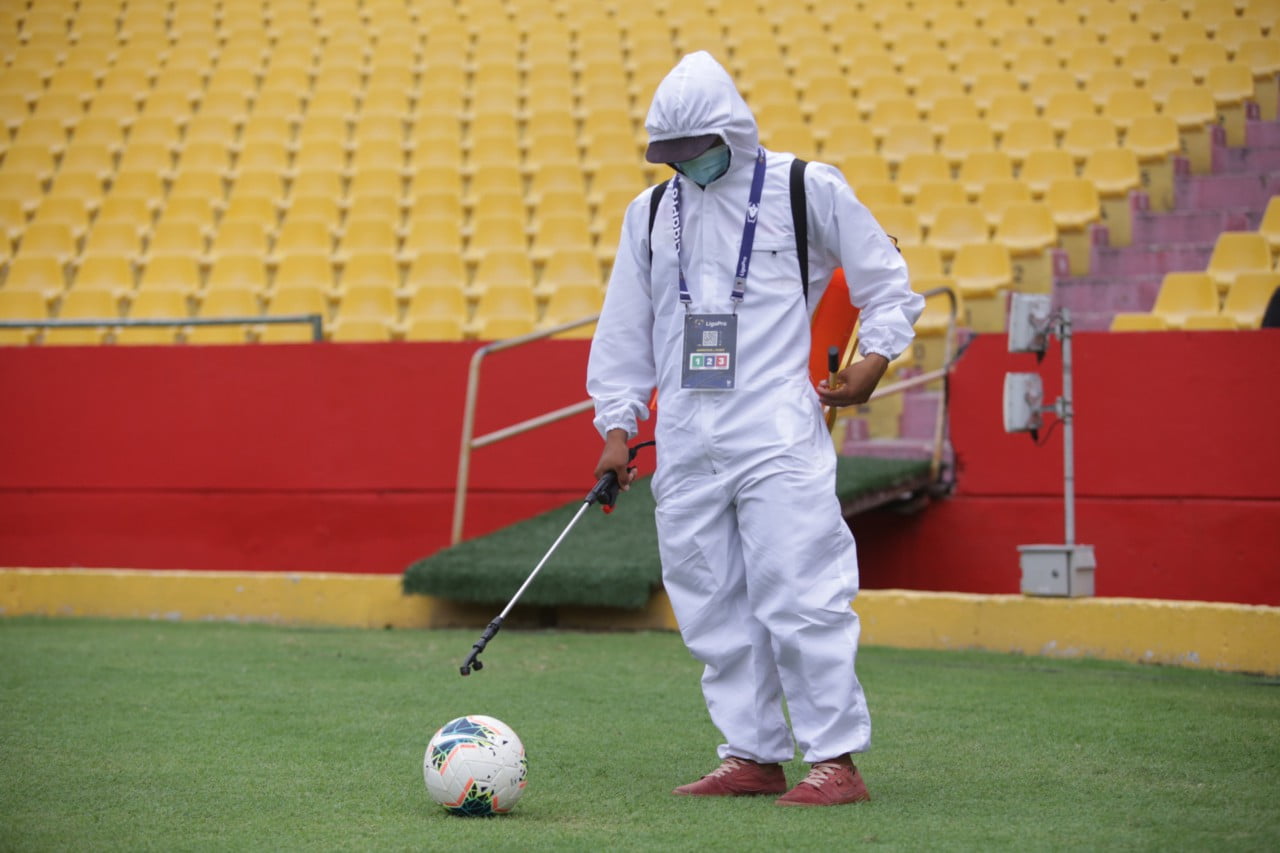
[707, 166]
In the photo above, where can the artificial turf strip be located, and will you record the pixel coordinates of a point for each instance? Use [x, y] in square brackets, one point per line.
[605, 561]
[202, 736]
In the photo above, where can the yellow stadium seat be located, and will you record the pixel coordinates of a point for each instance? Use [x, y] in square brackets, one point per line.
[368, 235]
[1200, 55]
[1075, 206]
[303, 269]
[923, 261]
[430, 230]
[48, 240]
[434, 329]
[569, 268]
[981, 268]
[307, 205]
[570, 304]
[436, 269]
[931, 196]
[117, 237]
[369, 300]
[362, 269]
[1262, 57]
[1005, 108]
[919, 168]
[1183, 294]
[1138, 322]
[900, 222]
[956, 225]
[20, 305]
[1236, 252]
[570, 201]
[844, 138]
[901, 140]
[171, 272]
[1123, 36]
[1026, 228]
[502, 269]
[297, 299]
[1044, 166]
[1045, 85]
[1062, 108]
[238, 272]
[892, 110]
[111, 273]
[1113, 170]
[444, 301]
[558, 233]
[979, 59]
[182, 238]
[986, 87]
[29, 158]
[1025, 136]
[1089, 133]
[246, 207]
[979, 168]
[362, 330]
[876, 194]
[496, 234]
[1233, 91]
[238, 237]
[154, 305]
[863, 168]
[1124, 106]
[1247, 298]
[966, 137]
[504, 312]
[304, 235]
[1209, 322]
[43, 275]
[1147, 60]
[1030, 62]
[224, 303]
[83, 305]
[1269, 227]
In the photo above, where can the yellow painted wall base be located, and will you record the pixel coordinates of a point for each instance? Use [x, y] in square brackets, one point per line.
[1206, 635]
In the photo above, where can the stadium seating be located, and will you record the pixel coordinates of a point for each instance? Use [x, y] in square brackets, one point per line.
[1237, 252]
[1183, 295]
[204, 149]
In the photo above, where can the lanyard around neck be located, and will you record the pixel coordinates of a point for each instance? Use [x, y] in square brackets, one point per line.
[748, 234]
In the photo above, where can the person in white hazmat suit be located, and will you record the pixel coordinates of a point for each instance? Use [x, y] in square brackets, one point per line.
[757, 560]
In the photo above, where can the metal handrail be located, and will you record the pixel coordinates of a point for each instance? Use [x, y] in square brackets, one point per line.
[314, 320]
[470, 443]
[469, 414]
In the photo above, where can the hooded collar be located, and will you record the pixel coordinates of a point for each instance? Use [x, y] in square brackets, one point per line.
[698, 97]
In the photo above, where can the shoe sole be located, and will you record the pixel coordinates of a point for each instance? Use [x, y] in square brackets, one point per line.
[819, 805]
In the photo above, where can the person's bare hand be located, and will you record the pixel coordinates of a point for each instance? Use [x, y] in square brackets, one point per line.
[856, 382]
[615, 457]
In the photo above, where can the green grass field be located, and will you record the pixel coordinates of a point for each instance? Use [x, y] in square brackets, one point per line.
[164, 736]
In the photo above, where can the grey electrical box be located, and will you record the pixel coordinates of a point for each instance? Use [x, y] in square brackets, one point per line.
[1058, 570]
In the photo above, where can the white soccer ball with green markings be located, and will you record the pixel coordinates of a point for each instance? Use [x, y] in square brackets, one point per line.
[475, 766]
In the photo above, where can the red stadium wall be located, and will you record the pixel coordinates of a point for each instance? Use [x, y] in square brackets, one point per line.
[343, 458]
[1177, 473]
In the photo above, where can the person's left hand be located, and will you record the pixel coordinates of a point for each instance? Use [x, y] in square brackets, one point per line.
[857, 381]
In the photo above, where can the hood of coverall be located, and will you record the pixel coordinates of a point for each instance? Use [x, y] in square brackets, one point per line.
[698, 97]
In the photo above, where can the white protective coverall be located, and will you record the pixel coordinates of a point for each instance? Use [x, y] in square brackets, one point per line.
[757, 559]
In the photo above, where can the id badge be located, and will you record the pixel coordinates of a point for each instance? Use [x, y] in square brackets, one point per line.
[710, 351]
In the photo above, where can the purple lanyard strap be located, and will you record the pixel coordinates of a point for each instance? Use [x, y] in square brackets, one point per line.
[748, 234]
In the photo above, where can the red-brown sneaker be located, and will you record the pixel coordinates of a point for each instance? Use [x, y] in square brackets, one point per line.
[829, 783]
[737, 777]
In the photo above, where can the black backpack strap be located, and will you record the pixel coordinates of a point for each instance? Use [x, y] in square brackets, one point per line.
[800, 222]
[655, 198]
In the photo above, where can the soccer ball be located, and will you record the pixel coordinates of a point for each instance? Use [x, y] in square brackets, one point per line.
[475, 766]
